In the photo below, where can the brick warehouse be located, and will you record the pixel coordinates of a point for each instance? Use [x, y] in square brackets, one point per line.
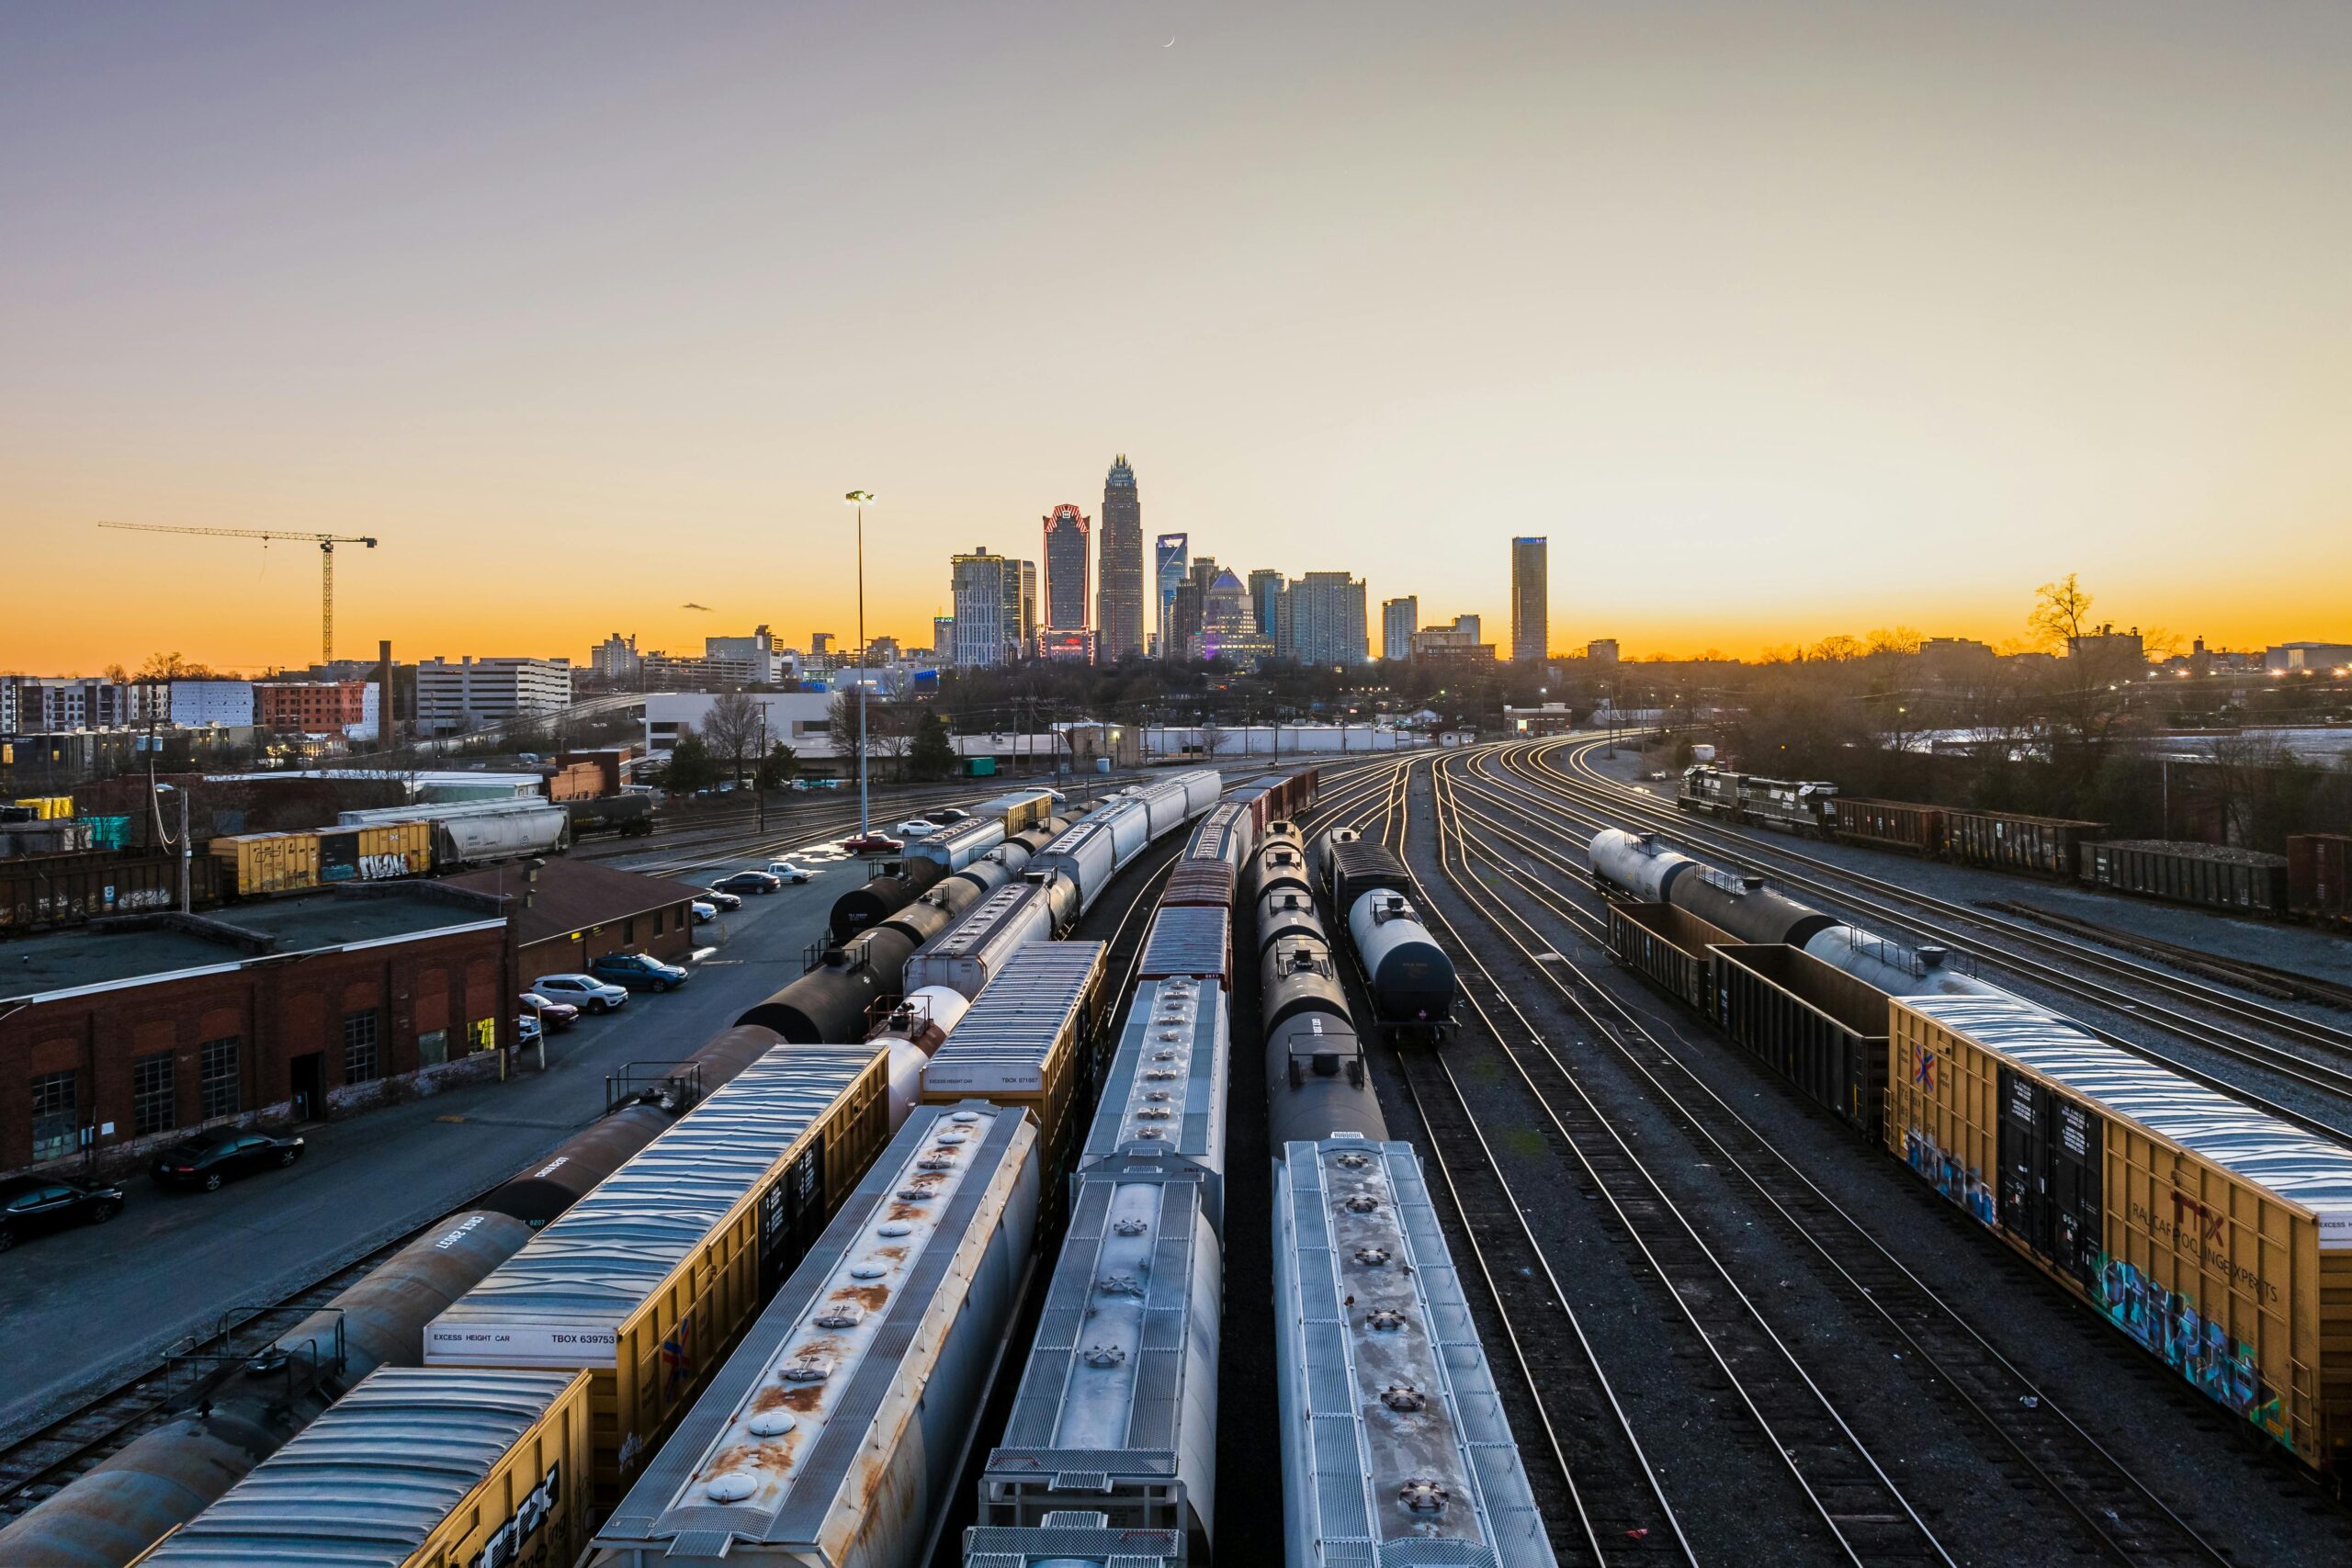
[118, 1037]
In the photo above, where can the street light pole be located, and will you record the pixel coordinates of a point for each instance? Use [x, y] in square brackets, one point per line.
[858, 498]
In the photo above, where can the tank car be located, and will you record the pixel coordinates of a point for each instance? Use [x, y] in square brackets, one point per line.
[878, 899]
[1637, 865]
[1296, 975]
[1316, 1085]
[1286, 911]
[1277, 864]
[828, 1005]
[1746, 907]
[1411, 979]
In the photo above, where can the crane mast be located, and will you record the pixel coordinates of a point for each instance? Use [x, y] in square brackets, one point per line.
[326, 543]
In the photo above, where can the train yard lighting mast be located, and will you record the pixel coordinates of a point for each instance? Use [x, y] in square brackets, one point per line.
[326, 543]
[861, 499]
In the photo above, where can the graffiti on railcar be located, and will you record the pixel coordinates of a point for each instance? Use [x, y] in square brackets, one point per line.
[2167, 1322]
[1964, 1185]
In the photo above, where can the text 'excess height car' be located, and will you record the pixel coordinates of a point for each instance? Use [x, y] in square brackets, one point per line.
[639, 972]
[32, 1204]
[584, 992]
[208, 1162]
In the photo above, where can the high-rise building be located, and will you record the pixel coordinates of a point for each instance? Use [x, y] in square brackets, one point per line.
[1023, 626]
[1068, 553]
[1171, 562]
[1118, 592]
[1327, 613]
[473, 692]
[1601, 651]
[943, 638]
[1183, 622]
[1400, 619]
[988, 614]
[1530, 621]
[1265, 599]
[1229, 624]
[615, 658]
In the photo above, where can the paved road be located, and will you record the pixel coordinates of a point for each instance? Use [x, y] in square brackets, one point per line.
[85, 1308]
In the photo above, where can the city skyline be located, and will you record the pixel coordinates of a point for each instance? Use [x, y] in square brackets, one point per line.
[368, 273]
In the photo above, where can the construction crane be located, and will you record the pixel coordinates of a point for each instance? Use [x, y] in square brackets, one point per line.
[326, 543]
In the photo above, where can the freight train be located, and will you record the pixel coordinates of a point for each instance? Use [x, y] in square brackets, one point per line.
[1411, 981]
[2038, 1129]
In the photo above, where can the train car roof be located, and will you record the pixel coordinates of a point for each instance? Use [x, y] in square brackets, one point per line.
[1407, 1448]
[2299, 1167]
[978, 924]
[1165, 1090]
[595, 1265]
[1120, 1386]
[759, 1468]
[366, 1484]
[1027, 1011]
[1189, 939]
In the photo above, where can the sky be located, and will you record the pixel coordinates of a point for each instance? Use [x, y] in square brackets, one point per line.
[1778, 319]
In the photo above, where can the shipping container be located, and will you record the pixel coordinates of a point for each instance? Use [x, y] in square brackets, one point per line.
[1116, 1407]
[967, 954]
[1394, 1447]
[1818, 1027]
[1028, 1040]
[2007, 840]
[2319, 876]
[2212, 876]
[47, 807]
[1189, 939]
[52, 890]
[1164, 1095]
[1891, 824]
[836, 1434]
[1668, 947]
[648, 1280]
[327, 857]
[2217, 1237]
[417, 1467]
[1017, 810]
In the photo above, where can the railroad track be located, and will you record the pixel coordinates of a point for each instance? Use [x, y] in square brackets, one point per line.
[2250, 1051]
[2046, 1445]
[34, 1466]
[1621, 1513]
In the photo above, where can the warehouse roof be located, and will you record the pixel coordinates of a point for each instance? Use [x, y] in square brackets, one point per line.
[145, 947]
[572, 894]
[2299, 1167]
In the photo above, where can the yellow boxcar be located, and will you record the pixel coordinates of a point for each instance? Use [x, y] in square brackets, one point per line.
[647, 1281]
[324, 857]
[2216, 1236]
[48, 807]
[425, 1467]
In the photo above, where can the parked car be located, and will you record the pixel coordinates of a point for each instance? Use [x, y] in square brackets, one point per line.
[526, 1030]
[31, 1204]
[951, 814]
[873, 844]
[584, 992]
[637, 971]
[789, 872]
[798, 786]
[719, 899]
[208, 1161]
[916, 827]
[748, 882]
[705, 911]
[553, 1013]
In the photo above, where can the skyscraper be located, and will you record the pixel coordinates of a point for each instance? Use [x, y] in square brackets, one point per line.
[1530, 624]
[1400, 619]
[943, 638]
[1170, 563]
[1068, 554]
[1327, 619]
[1266, 603]
[981, 604]
[1228, 625]
[1021, 608]
[1118, 590]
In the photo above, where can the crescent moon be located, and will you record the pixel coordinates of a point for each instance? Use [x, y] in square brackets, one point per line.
[1169, 44]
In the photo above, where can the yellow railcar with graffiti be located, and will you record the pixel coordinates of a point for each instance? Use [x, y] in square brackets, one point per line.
[2215, 1235]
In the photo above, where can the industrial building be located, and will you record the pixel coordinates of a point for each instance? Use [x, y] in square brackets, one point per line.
[116, 1036]
[476, 693]
[569, 913]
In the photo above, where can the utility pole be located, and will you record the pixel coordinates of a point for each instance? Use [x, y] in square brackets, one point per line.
[858, 498]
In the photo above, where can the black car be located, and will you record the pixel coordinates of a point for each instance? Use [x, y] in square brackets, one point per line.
[748, 882]
[31, 1204]
[721, 897]
[208, 1162]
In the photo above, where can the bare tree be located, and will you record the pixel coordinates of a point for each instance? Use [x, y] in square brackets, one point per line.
[733, 730]
[2062, 612]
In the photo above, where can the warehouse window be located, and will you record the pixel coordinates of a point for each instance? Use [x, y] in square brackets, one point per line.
[659, 917]
[54, 1108]
[359, 1061]
[153, 1108]
[629, 931]
[218, 1083]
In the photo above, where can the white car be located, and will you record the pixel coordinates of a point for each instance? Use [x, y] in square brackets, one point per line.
[789, 872]
[584, 992]
[916, 827]
[705, 911]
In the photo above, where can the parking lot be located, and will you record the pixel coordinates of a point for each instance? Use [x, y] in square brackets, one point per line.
[87, 1306]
